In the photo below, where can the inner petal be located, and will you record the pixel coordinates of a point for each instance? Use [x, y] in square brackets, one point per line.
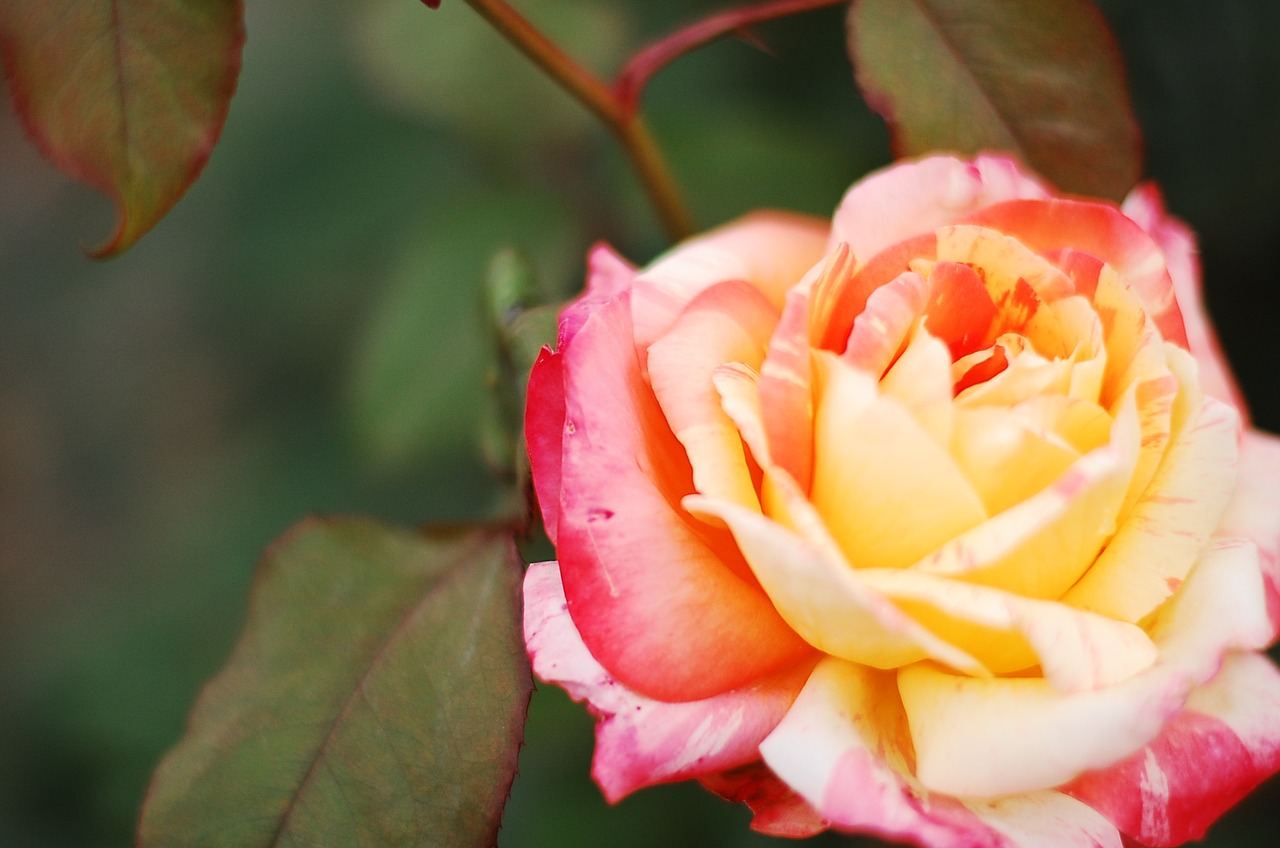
[886, 489]
[729, 322]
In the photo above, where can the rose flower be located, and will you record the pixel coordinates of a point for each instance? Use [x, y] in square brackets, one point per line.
[938, 522]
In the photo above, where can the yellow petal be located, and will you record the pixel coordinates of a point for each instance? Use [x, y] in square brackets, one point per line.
[921, 381]
[1169, 527]
[887, 490]
[1040, 547]
[822, 598]
[728, 322]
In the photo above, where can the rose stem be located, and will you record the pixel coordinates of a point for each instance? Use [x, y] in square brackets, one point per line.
[629, 128]
[647, 62]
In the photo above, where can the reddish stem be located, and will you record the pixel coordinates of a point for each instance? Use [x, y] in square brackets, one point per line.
[642, 67]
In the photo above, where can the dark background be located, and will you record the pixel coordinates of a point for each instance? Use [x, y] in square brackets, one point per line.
[300, 335]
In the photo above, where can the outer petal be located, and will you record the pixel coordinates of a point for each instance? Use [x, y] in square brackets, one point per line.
[640, 741]
[905, 199]
[778, 810]
[543, 434]
[844, 747]
[1207, 758]
[1254, 511]
[608, 274]
[770, 250]
[1145, 206]
[642, 578]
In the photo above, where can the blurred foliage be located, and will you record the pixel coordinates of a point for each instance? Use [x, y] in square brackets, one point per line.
[303, 334]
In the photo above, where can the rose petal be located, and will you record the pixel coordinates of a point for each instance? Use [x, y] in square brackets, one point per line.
[1074, 650]
[823, 599]
[786, 394]
[956, 721]
[881, 329]
[770, 250]
[544, 434]
[921, 381]
[890, 205]
[729, 322]
[1100, 229]
[1167, 529]
[845, 748]
[644, 580]
[877, 472]
[1254, 511]
[778, 810]
[607, 275]
[1073, 517]
[1205, 760]
[1146, 207]
[640, 741]
[1004, 460]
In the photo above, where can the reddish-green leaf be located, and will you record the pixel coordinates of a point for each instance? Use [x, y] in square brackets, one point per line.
[126, 95]
[1039, 78]
[376, 697]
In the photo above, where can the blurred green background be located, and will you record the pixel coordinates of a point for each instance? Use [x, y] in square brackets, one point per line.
[301, 335]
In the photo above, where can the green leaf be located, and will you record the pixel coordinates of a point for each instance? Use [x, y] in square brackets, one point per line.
[126, 95]
[376, 697]
[1039, 78]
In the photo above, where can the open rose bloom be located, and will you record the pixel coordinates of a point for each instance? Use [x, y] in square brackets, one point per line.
[939, 521]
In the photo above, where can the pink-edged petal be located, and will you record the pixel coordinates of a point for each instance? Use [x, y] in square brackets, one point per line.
[729, 322]
[607, 275]
[644, 580]
[641, 741]
[786, 393]
[544, 434]
[1017, 279]
[778, 810]
[1205, 760]
[956, 721]
[1169, 525]
[770, 250]
[1146, 207]
[880, 330]
[845, 748]
[1047, 226]
[909, 198]
[1254, 511]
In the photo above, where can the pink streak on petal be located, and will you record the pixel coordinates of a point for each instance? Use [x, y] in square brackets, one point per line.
[786, 394]
[648, 586]
[880, 332]
[847, 303]
[1146, 206]
[844, 748]
[544, 434]
[909, 198]
[1206, 759]
[641, 741]
[1046, 226]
